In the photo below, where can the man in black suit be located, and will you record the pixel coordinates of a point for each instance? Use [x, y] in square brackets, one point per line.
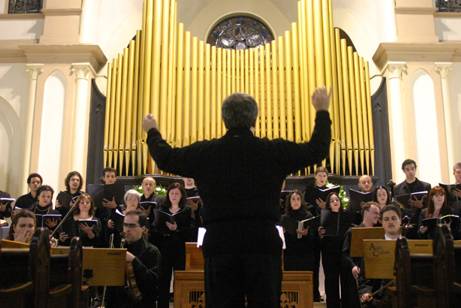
[410, 185]
[239, 177]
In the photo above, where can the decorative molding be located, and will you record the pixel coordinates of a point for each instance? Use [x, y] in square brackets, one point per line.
[447, 14]
[395, 70]
[34, 70]
[417, 52]
[82, 71]
[62, 12]
[443, 69]
[22, 16]
[80, 53]
[415, 10]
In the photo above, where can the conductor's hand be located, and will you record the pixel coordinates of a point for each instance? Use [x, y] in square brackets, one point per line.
[149, 122]
[321, 99]
[356, 272]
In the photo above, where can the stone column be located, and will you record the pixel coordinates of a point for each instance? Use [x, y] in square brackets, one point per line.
[34, 70]
[443, 70]
[394, 72]
[83, 73]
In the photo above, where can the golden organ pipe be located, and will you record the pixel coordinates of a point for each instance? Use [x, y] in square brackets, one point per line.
[207, 91]
[185, 81]
[256, 93]
[289, 86]
[358, 111]
[201, 84]
[179, 86]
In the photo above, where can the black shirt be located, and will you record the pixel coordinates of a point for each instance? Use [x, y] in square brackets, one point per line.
[239, 177]
[26, 201]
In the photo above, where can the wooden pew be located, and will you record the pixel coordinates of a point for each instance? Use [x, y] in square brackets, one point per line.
[16, 285]
[55, 278]
[190, 288]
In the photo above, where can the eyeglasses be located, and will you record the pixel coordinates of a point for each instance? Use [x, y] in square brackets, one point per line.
[130, 226]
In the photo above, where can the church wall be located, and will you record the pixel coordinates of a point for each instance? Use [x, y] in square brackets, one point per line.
[13, 101]
[111, 24]
[29, 28]
[367, 23]
[454, 78]
[448, 28]
[203, 15]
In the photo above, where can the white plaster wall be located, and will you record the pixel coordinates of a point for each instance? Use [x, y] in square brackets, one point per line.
[5, 141]
[111, 24]
[51, 129]
[21, 29]
[448, 28]
[368, 23]
[3, 8]
[427, 135]
[455, 103]
[13, 103]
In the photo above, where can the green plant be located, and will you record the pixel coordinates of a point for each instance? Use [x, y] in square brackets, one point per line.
[159, 190]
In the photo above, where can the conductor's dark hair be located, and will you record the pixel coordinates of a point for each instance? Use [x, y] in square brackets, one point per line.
[391, 207]
[34, 175]
[142, 217]
[407, 162]
[239, 110]
[69, 176]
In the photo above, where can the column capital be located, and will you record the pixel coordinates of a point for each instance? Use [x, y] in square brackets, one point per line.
[34, 70]
[82, 70]
[443, 68]
[395, 70]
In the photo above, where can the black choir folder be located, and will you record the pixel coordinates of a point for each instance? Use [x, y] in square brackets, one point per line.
[43, 219]
[165, 216]
[404, 199]
[358, 198]
[309, 222]
[320, 193]
[450, 219]
[89, 222]
[148, 204]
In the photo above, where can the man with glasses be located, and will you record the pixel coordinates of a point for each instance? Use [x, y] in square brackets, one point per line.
[143, 266]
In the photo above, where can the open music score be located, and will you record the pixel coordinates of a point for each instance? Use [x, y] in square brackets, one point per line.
[379, 256]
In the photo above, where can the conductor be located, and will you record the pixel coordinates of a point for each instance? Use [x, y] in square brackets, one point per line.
[239, 177]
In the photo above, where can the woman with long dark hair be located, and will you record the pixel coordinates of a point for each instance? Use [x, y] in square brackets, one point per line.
[333, 225]
[172, 225]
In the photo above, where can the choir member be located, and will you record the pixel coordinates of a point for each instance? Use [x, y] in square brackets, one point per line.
[143, 266]
[365, 183]
[172, 223]
[454, 197]
[412, 184]
[65, 199]
[195, 204]
[382, 196]
[34, 181]
[314, 206]
[437, 207]
[43, 209]
[298, 255]
[5, 208]
[83, 223]
[149, 200]
[391, 221]
[22, 226]
[332, 232]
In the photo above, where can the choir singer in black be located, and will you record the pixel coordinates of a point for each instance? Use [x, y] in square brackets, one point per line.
[239, 177]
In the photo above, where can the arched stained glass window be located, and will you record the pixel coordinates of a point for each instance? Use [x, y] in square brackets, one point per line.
[240, 32]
